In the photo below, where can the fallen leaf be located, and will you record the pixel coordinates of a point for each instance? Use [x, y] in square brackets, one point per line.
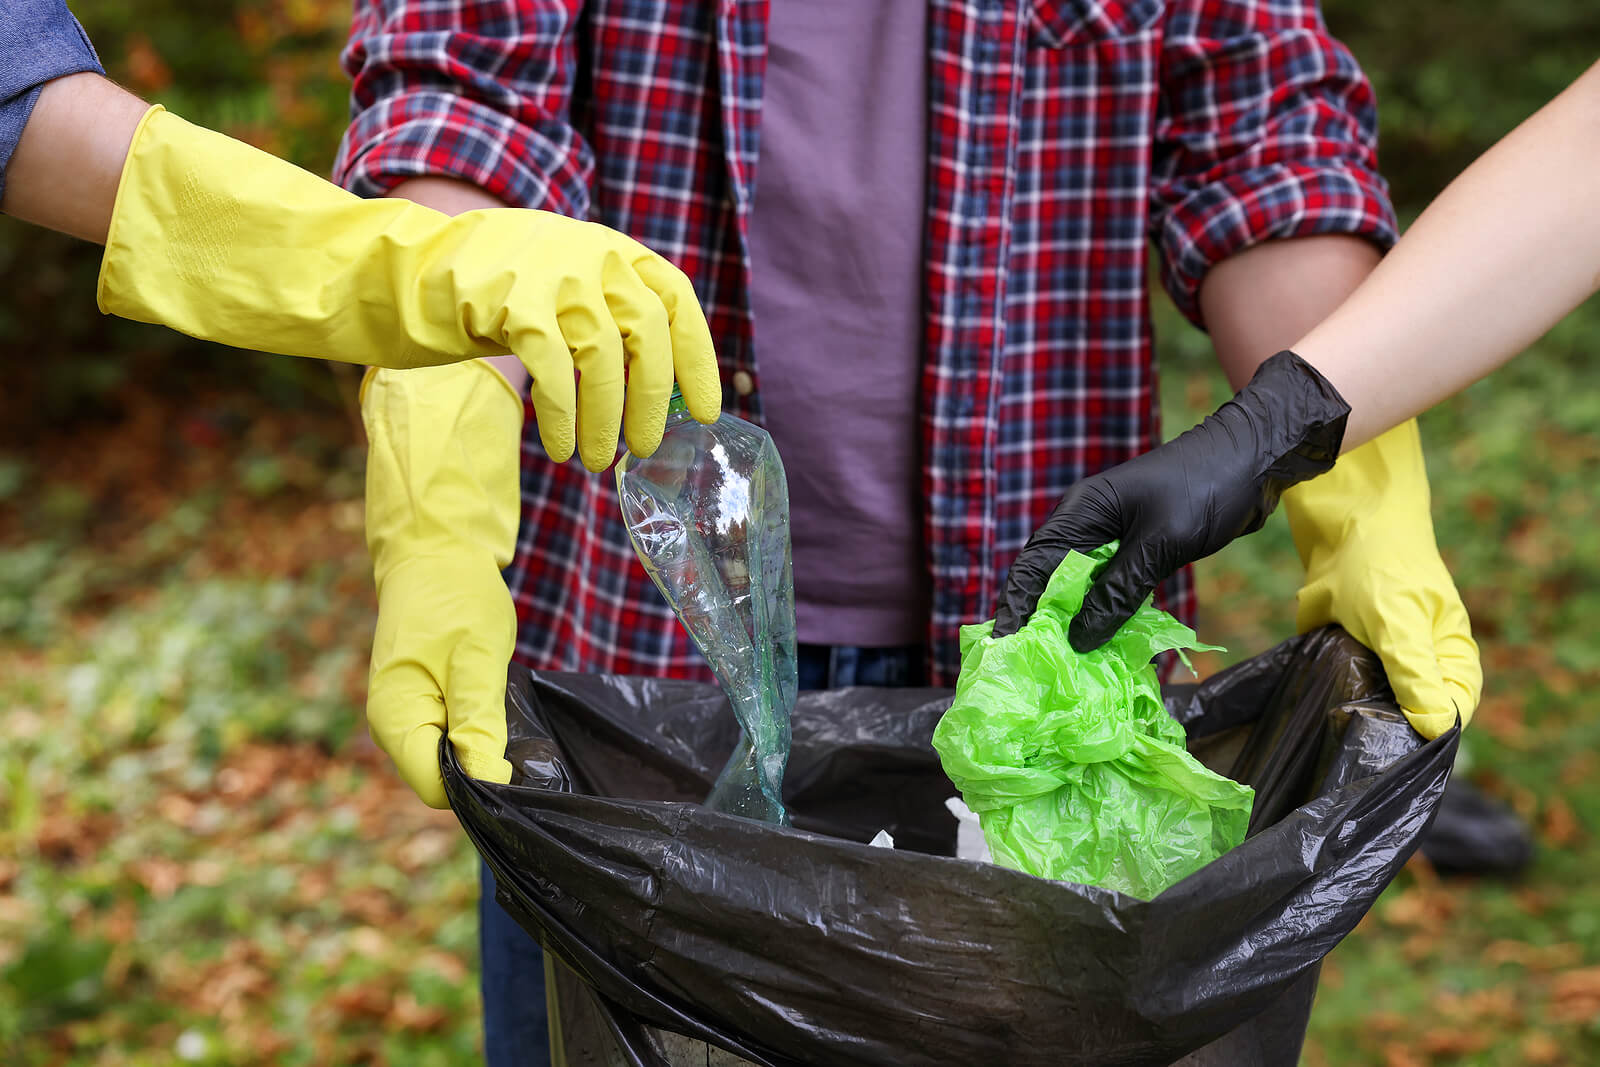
[362, 1002]
[160, 877]
[1388, 1022]
[371, 905]
[147, 71]
[367, 941]
[1397, 1055]
[1421, 907]
[1575, 996]
[426, 849]
[1532, 902]
[1579, 769]
[206, 872]
[1421, 869]
[1540, 959]
[407, 1014]
[15, 911]
[1503, 717]
[121, 925]
[1455, 1041]
[451, 968]
[1558, 825]
[176, 809]
[1539, 1049]
[65, 838]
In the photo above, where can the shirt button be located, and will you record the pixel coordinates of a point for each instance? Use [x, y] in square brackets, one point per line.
[743, 384]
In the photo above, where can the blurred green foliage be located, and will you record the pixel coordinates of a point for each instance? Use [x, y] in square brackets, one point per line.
[1454, 77]
[265, 71]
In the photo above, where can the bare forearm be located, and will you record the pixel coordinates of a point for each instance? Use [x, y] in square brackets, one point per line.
[1259, 301]
[453, 197]
[66, 168]
[1506, 251]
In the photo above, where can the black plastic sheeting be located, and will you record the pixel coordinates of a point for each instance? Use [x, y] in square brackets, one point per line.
[805, 946]
[1475, 834]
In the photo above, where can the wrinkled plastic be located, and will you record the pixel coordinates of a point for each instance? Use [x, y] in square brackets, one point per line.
[676, 927]
[708, 515]
[1070, 759]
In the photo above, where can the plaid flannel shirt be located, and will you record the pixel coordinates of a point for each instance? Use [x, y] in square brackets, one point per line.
[1065, 137]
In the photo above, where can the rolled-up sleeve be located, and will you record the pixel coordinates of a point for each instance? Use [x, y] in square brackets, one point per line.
[1267, 129]
[479, 90]
[39, 42]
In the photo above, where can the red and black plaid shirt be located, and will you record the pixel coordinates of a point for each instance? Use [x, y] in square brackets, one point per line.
[1065, 136]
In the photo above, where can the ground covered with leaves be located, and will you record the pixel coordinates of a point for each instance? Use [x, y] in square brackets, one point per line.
[204, 858]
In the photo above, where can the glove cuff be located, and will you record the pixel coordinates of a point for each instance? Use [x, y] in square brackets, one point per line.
[110, 284]
[1304, 419]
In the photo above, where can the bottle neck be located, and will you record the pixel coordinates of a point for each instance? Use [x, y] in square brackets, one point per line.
[677, 410]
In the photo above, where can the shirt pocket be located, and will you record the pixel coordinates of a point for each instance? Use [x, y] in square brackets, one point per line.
[1058, 23]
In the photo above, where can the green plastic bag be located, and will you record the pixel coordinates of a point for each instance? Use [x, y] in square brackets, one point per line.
[1071, 762]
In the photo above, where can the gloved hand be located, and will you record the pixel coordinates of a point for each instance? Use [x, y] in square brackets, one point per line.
[1184, 500]
[443, 504]
[1366, 538]
[214, 238]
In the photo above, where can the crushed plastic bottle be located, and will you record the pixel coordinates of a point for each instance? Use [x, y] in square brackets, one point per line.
[708, 514]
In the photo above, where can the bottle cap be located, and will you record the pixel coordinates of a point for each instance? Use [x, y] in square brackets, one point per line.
[676, 403]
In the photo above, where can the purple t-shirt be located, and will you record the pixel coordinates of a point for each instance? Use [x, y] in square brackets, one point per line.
[836, 250]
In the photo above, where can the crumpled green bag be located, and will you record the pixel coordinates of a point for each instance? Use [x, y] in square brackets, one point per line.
[1071, 762]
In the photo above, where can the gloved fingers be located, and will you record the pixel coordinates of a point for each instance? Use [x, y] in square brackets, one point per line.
[1025, 582]
[1433, 710]
[475, 702]
[1127, 579]
[544, 351]
[1459, 660]
[406, 715]
[647, 338]
[596, 348]
[1085, 519]
[694, 358]
[1396, 619]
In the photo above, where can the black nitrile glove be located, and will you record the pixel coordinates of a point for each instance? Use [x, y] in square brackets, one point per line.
[1184, 500]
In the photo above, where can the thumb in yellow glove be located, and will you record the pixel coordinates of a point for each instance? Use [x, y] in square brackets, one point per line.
[442, 513]
[1365, 535]
[224, 242]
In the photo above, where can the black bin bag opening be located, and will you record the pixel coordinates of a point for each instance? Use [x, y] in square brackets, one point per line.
[674, 928]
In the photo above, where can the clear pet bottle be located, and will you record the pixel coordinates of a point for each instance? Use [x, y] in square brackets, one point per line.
[708, 513]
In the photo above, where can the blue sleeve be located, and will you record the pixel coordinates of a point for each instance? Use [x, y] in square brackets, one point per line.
[39, 42]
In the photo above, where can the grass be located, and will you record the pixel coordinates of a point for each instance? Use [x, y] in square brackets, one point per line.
[204, 860]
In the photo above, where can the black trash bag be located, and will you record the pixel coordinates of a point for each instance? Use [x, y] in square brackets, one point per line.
[805, 946]
[1475, 834]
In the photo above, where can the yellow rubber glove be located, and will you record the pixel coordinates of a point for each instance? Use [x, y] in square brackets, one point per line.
[444, 446]
[1365, 535]
[224, 242]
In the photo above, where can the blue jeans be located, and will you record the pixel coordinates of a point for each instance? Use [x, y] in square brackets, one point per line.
[839, 666]
[516, 1029]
